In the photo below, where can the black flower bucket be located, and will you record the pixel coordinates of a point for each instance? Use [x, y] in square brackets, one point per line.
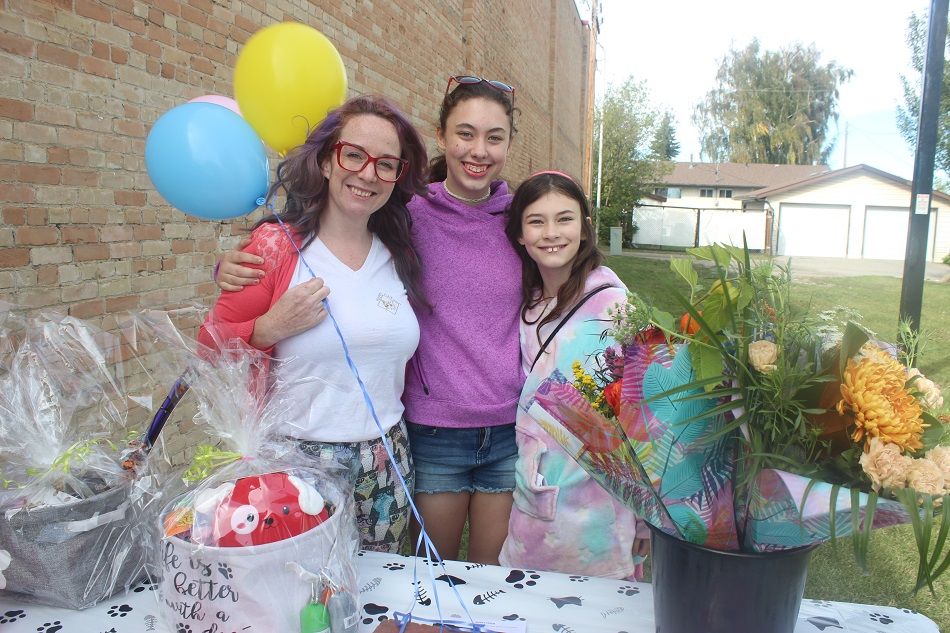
[700, 589]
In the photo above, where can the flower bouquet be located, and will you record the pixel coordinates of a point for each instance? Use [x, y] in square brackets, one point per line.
[751, 426]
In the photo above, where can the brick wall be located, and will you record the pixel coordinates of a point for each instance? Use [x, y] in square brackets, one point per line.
[83, 81]
[84, 231]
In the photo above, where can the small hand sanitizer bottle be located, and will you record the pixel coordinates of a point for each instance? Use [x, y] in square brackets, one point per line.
[314, 618]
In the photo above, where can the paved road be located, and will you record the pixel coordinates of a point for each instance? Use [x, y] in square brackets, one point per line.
[811, 267]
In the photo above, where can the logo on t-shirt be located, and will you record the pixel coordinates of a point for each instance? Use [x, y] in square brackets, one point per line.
[387, 303]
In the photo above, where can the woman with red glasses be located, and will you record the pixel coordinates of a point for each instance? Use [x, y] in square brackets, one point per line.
[462, 386]
[345, 229]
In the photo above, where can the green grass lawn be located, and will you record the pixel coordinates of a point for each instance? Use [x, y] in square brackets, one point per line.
[833, 574]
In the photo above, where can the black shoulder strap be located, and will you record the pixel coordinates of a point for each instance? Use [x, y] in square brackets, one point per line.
[565, 319]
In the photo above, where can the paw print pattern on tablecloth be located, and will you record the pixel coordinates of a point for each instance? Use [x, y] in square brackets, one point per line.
[119, 610]
[512, 617]
[488, 596]
[566, 600]
[821, 603]
[881, 618]
[430, 563]
[225, 570]
[394, 566]
[183, 628]
[579, 578]
[375, 613]
[562, 628]
[12, 616]
[371, 584]
[145, 585]
[50, 627]
[628, 590]
[822, 622]
[520, 579]
[421, 596]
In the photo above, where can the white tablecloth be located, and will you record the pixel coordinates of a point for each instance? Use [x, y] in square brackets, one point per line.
[547, 602]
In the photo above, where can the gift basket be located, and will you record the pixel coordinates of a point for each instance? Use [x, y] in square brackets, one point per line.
[262, 538]
[69, 513]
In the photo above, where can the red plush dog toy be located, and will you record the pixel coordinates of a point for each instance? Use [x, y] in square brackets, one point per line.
[258, 509]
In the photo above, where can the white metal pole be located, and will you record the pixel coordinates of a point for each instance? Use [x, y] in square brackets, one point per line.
[600, 155]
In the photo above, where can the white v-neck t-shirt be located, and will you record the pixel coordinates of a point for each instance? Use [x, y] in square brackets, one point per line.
[381, 332]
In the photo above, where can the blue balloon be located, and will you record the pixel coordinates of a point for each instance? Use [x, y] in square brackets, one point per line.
[206, 161]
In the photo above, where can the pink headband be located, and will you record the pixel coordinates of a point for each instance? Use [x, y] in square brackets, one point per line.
[552, 172]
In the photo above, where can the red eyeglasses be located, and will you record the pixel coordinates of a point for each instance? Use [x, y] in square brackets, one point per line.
[354, 158]
[472, 79]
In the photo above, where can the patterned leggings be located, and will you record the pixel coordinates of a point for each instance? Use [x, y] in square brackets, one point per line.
[382, 507]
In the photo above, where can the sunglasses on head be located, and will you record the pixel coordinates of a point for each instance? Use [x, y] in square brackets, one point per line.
[464, 80]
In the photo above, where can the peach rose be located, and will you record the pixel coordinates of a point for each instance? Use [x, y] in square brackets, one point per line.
[940, 455]
[762, 355]
[885, 465]
[925, 477]
[930, 392]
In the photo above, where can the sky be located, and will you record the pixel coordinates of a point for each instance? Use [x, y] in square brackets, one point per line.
[677, 47]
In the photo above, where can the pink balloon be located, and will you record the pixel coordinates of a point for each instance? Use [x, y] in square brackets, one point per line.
[226, 102]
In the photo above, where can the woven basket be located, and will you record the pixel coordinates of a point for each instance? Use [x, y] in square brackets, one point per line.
[74, 555]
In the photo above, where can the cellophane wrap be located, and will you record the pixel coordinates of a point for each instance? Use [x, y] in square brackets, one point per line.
[262, 534]
[70, 515]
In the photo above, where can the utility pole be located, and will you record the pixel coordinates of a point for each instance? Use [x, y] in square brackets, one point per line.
[594, 30]
[600, 174]
[915, 256]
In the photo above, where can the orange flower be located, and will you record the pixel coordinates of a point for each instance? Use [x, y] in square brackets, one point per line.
[612, 395]
[688, 325]
[872, 389]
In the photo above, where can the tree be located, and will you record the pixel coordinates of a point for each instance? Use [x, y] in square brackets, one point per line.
[771, 107]
[908, 113]
[629, 168]
[665, 146]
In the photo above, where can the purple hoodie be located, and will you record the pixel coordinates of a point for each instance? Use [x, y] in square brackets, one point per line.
[466, 372]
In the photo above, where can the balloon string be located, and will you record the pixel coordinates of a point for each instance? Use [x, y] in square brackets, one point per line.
[423, 535]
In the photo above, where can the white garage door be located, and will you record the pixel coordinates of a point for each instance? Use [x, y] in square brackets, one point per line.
[885, 233]
[813, 230]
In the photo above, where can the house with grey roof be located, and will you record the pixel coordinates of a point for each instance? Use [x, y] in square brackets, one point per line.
[800, 210]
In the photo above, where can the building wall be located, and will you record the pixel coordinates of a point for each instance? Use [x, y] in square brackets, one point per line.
[690, 197]
[83, 81]
[859, 193]
[83, 230]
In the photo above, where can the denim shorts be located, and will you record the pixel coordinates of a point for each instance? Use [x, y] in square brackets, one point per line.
[463, 460]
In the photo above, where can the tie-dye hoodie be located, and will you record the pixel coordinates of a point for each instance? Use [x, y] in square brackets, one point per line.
[562, 520]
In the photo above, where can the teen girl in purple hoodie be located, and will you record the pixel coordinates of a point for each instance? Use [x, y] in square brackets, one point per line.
[462, 386]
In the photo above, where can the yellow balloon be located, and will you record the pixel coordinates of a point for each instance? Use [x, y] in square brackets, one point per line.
[287, 77]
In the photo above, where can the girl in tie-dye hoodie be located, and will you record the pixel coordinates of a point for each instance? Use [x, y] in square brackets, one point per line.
[562, 520]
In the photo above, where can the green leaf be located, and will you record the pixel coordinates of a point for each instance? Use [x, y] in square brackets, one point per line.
[857, 535]
[933, 434]
[746, 295]
[664, 320]
[707, 363]
[854, 337]
[683, 267]
[716, 310]
[833, 514]
[701, 252]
